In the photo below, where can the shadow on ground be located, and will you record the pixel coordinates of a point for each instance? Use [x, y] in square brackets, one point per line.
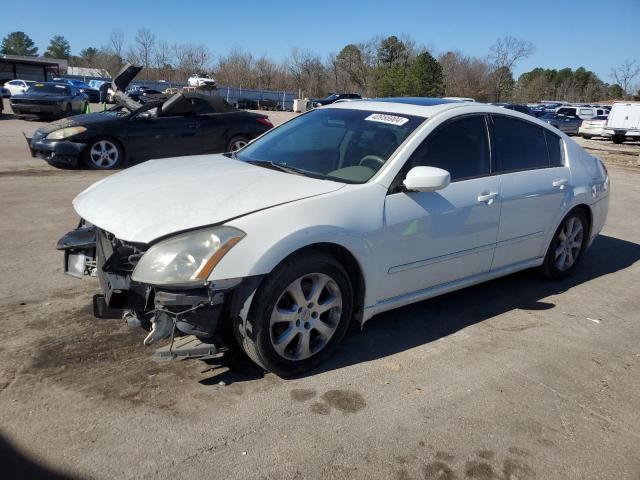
[407, 327]
[15, 465]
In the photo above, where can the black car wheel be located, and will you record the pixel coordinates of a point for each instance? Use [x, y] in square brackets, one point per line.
[103, 154]
[618, 139]
[567, 245]
[298, 315]
[236, 143]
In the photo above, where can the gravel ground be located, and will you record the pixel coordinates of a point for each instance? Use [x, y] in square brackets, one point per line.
[518, 378]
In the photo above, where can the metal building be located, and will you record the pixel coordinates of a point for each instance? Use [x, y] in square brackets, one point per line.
[38, 69]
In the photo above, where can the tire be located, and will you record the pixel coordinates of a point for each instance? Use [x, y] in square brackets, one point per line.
[103, 153]
[287, 338]
[618, 139]
[567, 246]
[586, 137]
[237, 142]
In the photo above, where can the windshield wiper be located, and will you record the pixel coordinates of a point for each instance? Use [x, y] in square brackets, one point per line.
[278, 166]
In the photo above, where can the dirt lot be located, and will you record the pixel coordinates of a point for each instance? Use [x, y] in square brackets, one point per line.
[515, 379]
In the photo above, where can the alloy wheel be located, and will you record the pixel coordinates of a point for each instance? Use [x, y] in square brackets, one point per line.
[238, 144]
[306, 316]
[569, 243]
[103, 154]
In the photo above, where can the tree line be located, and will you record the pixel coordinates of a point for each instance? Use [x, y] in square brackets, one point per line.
[378, 67]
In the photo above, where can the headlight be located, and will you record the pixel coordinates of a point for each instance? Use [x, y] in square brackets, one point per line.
[186, 259]
[65, 133]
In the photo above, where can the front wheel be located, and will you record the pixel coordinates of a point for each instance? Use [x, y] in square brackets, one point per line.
[618, 139]
[586, 137]
[298, 315]
[567, 246]
[236, 143]
[103, 154]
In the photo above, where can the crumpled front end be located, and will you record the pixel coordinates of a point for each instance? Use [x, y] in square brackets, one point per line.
[205, 311]
[59, 153]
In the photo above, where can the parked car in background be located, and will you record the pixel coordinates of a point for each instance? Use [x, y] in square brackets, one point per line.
[92, 93]
[49, 99]
[516, 106]
[592, 127]
[18, 86]
[335, 97]
[146, 95]
[271, 247]
[185, 124]
[569, 125]
[268, 104]
[200, 80]
[581, 112]
[623, 122]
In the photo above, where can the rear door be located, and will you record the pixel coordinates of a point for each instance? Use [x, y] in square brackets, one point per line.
[433, 238]
[535, 184]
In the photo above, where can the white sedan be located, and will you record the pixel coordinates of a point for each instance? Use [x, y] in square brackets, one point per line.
[337, 215]
[593, 127]
[201, 81]
[17, 87]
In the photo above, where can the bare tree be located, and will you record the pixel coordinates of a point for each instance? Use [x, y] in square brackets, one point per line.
[625, 73]
[144, 44]
[504, 54]
[116, 42]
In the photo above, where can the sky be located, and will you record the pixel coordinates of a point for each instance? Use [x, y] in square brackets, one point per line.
[596, 34]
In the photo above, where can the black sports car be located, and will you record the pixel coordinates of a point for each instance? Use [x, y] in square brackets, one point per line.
[130, 132]
[49, 99]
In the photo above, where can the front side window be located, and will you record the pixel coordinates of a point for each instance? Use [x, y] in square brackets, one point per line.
[460, 147]
[520, 145]
[333, 143]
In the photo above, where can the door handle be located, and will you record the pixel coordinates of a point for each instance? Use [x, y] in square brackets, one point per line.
[487, 198]
[560, 183]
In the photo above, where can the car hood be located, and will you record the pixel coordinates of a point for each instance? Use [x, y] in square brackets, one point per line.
[41, 96]
[84, 120]
[163, 197]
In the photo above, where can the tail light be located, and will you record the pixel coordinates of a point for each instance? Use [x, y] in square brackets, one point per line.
[265, 122]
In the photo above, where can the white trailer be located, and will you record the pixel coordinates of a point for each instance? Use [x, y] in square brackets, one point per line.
[623, 122]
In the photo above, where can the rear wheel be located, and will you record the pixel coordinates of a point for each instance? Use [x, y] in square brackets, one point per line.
[236, 143]
[618, 139]
[103, 154]
[298, 315]
[587, 137]
[565, 250]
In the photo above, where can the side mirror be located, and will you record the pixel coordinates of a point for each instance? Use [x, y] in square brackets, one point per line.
[426, 179]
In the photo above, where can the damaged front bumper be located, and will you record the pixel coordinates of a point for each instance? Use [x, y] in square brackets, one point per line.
[206, 311]
[57, 153]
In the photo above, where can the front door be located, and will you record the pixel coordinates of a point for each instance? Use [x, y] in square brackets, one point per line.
[160, 137]
[433, 238]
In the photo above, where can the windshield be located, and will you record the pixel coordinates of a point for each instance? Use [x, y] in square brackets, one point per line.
[49, 88]
[333, 143]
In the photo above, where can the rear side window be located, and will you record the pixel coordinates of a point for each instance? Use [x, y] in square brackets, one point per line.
[554, 149]
[460, 147]
[520, 145]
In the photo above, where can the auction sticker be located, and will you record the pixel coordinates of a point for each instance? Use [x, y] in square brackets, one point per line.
[384, 118]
